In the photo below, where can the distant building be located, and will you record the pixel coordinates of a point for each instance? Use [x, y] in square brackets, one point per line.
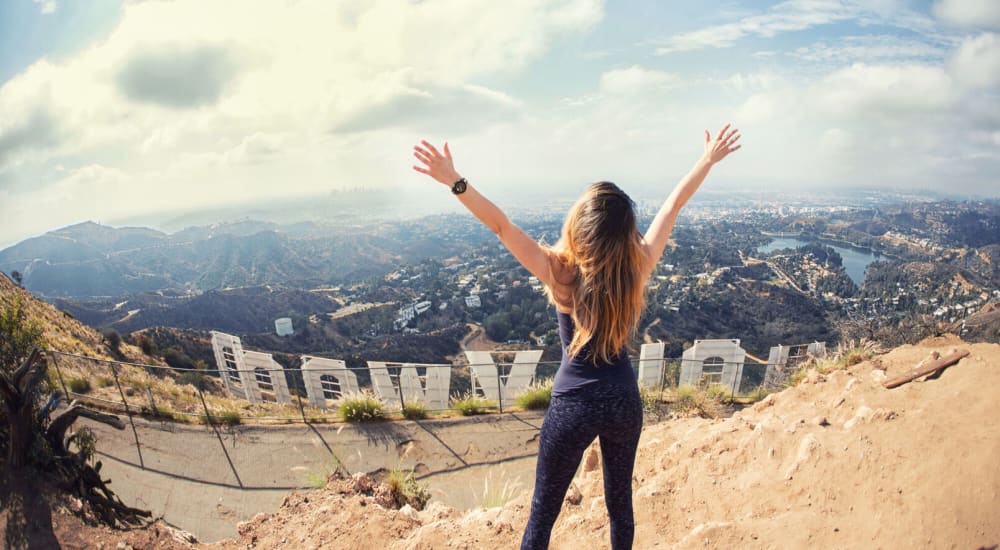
[283, 326]
[473, 300]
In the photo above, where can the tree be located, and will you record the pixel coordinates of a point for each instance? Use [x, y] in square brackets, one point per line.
[31, 440]
[16, 275]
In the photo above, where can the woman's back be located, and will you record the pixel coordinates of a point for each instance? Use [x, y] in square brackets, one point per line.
[578, 371]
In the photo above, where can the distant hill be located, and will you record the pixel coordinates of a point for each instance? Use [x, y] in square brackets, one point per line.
[246, 309]
[92, 260]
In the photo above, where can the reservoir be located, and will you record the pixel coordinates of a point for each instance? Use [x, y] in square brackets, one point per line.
[855, 261]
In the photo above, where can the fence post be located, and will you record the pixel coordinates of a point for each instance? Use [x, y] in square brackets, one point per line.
[128, 411]
[298, 399]
[736, 379]
[208, 418]
[52, 354]
[663, 378]
[499, 389]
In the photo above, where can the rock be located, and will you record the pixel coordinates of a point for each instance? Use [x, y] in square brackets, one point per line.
[592, 461]
[815, 377]
[597, 505]
[878, 376]
[764, 403]
[409, 512]
[864, 413]
[820, 421]
[807, 447]
[573, 495]
[850, 384]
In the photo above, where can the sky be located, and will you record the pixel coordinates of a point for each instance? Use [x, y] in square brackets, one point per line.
[125, 110]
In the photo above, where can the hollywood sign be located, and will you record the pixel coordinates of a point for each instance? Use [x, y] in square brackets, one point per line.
[248, 374]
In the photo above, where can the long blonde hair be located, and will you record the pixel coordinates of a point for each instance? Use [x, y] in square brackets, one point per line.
[601, 244]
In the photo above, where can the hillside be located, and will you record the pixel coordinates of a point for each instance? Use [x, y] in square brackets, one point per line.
[835, 462]
[64, 333]
[92, 260]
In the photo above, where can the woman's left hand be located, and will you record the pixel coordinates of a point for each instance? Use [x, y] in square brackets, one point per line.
[438, 166]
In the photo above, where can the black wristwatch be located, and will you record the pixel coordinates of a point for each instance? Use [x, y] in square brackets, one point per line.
[460, 186]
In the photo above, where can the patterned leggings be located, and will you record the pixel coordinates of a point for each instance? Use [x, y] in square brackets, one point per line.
[609, 411]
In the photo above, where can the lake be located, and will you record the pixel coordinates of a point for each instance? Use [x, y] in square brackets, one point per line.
[855, 261]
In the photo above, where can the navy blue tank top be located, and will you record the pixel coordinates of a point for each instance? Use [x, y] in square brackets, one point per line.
[578, 371]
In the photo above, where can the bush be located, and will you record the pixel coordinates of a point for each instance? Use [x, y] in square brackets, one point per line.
[104, 382]
[651, 404]
[112, 338]
[361, 407]
[405, 489]
[758, 394]
[693, 401]
[536, 396]
[414, 410]
[227, 418]
[469, 404]
[78, 385]
[192, 378]
[497, 494]
[719, 393]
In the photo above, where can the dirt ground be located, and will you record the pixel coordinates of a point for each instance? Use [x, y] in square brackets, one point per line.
[835, 462]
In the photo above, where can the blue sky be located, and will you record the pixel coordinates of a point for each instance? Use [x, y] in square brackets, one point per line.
[123, 110]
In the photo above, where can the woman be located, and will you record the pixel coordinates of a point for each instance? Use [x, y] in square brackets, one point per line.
[595, 276]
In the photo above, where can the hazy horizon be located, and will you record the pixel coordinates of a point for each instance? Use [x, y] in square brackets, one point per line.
[141, 110]
[415, 205]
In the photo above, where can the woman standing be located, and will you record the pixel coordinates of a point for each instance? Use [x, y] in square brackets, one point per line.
[595, 275]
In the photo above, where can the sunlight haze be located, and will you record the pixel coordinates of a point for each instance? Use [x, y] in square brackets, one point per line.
[128, 111]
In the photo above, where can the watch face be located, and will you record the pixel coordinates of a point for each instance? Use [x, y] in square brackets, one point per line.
[459, 187]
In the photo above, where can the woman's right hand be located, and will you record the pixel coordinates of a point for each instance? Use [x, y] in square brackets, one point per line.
[438, 166]
[723, 144]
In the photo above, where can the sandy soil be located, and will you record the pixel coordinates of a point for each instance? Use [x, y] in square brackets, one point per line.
[836, 462]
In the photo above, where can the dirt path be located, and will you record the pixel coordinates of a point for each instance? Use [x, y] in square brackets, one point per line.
[477, 340]
[196, 485]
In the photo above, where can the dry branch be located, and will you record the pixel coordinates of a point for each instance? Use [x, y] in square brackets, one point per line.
[919, 371]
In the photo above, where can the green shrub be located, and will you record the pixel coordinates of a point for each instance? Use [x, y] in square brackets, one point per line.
[78, 385]
[104, 382]
[414, 410]
[536, 396]
[469, 404]
[405, 489]
[719, 393]
[758, 394]
[227, 418]
[193, 378]
[691, 400]
[361, 407]
[651, 404]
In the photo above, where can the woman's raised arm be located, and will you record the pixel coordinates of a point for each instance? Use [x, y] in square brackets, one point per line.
[663, 224]
[527, 251]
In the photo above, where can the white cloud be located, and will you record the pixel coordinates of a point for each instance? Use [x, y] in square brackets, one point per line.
[977, 61]
[47, 6]
[970, 13]
[636, 80]
[869, 49]
[887, 91]
[792, 15]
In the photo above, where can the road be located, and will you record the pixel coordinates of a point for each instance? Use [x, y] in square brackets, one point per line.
[206, 482]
